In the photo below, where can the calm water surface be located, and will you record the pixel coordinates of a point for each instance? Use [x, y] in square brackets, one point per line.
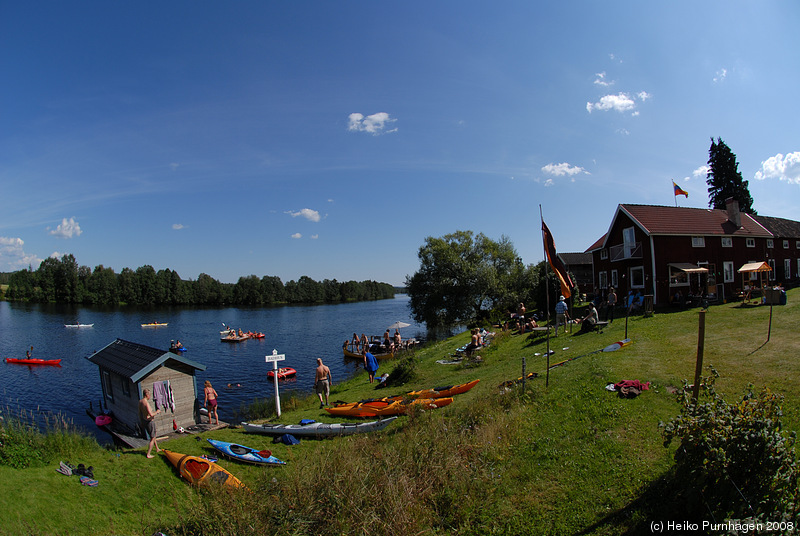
[301, 333]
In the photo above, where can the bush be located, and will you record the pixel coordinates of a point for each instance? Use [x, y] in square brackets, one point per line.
[733, 459]
[404, 372]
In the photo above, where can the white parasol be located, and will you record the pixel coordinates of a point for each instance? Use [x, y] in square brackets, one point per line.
[398, 325]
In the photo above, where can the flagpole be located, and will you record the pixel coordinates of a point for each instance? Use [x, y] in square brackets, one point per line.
[673, 194]
[547, 294]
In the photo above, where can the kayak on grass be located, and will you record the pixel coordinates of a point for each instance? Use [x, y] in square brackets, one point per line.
[201, 471]
[318, 429]
[245, 454]
[381, 408]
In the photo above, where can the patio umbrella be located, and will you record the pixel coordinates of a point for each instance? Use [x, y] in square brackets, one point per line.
[398, 325]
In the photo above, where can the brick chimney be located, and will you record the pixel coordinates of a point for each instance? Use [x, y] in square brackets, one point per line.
[734, 216]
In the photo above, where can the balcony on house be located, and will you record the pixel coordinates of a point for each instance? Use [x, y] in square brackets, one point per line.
[623, 252]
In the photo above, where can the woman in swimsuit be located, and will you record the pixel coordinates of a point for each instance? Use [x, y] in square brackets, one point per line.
[211, 400]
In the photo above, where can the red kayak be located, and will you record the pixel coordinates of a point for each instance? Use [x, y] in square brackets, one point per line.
[34, 361]
[283, 373]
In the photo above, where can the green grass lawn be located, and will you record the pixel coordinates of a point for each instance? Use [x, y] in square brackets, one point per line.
[567, 458]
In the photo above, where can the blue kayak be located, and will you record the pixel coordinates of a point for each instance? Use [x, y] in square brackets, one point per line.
[245, 454]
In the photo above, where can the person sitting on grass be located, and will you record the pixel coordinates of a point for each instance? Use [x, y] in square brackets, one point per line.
[589, 322]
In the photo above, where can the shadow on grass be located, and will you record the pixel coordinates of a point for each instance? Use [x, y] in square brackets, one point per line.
[657, 502]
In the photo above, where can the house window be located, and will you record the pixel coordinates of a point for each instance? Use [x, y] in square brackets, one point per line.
[772, 272]
[798, 267]
[678, 278]
[770, 243]
[698, 242]
[787, 268]
[751, 242]
[637, 277]
[728, 273]
[614, 278]
[727, 242]
[785, 244]
[107, 385]
[629, 241]
[602, 280]
[604, 253]
[126, 387]
[797, 245]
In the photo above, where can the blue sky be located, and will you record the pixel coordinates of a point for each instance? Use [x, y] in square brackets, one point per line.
[329, 139]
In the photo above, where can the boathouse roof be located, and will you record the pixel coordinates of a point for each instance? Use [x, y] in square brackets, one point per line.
[135, 361]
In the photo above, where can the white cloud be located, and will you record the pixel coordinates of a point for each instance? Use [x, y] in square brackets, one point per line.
[601, 80]
[67, 229]
[374, 124]
[720, 75]
[307, 213]
[559, 170]
[297, 236]
[549, 182]
[785, 168]
[701, 172]
[314, 236]
[13, 256]
[621, 102]
[178, 226]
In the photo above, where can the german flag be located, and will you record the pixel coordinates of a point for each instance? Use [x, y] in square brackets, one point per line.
[555, 262]
[679, 190]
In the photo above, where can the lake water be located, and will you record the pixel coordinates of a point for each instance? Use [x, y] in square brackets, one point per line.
[302, 333]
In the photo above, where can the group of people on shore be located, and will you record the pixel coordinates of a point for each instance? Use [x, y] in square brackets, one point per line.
[389, 344]
[147, 415]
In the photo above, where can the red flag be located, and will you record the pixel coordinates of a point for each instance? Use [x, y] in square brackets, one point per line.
[555, 262]
[679, 190]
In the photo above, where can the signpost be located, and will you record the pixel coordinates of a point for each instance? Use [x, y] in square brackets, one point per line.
[275, 357]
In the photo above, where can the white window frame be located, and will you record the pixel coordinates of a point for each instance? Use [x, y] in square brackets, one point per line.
[787, 268]
[603, 254]
[107, 387]
[631, 271]
[614, 278]
[698, 242]
[728, 272]
[727, 242]
[785, 244]
[602, 280]
[770, 243]
[751, 242]
[678, 278]
[797, 245]
[771, 263]
[798, 267]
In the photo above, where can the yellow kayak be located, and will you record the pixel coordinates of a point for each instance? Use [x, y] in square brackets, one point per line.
[200, 471]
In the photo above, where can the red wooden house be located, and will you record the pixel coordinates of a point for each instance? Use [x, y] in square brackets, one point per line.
[670, 252]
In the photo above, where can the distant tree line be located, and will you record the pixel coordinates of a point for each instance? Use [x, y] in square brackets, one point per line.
[64, 281]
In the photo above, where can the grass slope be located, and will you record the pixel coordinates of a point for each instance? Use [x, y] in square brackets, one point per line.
[568, 458]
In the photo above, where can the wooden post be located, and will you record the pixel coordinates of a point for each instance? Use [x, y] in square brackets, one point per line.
[698, 368]
[769, 331]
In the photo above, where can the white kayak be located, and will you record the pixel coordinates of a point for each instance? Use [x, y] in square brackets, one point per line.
[617, 345]
[317, 429]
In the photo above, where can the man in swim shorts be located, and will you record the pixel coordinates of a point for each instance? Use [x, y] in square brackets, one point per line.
[146, 417]
[322, 382]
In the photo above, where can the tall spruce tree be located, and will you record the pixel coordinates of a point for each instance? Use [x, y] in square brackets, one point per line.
[724, 180]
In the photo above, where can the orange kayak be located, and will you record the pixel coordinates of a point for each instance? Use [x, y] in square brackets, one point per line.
[384, 408]
[200, 471]
[436, 392]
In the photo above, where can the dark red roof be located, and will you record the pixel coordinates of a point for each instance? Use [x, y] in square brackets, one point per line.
[660, 220]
